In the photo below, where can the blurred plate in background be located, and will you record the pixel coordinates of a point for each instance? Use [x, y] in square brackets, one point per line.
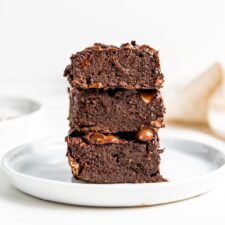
[16, 115]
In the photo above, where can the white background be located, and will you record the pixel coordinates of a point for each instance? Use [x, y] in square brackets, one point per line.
[36, 41]
[38, 37]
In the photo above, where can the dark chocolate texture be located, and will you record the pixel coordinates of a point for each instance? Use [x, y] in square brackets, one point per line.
[126, 162]
[118, 110]
[115, 112]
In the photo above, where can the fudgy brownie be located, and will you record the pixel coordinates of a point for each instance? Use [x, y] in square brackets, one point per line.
[99, 158]
[105, 66]
[117, 110]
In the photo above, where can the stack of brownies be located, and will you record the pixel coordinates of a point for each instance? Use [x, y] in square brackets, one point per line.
[115, 112]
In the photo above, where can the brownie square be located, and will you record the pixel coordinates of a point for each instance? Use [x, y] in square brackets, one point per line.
[117, 110]
[105, 66]
[123, 161]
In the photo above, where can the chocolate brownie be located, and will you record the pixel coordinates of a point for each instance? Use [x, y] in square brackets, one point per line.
[99, 158]
[117, 110]
[105, 66]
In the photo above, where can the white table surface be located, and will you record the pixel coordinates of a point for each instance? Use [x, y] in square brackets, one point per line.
[19, 208]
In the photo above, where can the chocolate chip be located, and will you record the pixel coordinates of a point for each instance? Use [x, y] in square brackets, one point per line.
[98, 138]
[112, 139]
[133, 43]
[145, 134]
[95, 138]
[147, 97]
[96, 85]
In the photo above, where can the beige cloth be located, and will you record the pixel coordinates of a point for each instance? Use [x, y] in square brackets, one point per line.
[200, 102]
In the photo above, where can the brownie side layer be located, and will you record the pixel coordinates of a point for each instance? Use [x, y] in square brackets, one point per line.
[101, 66]
[126, 162]
[116, 110]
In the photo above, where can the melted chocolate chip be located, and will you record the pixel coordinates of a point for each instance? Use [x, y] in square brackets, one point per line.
[112, 139]
[145, 134]
[147, 97]
[98, 138]
[96, 85]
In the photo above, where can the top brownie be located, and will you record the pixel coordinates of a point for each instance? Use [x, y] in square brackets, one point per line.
[105, 66]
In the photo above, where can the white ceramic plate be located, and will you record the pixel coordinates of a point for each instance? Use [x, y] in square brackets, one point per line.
[41, 169]
[15, 117]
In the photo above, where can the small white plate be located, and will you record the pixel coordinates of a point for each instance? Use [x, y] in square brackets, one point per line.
[41, 169]
[15, 117]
